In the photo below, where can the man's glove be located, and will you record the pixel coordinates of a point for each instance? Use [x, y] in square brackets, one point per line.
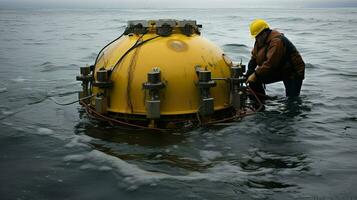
[252, 78]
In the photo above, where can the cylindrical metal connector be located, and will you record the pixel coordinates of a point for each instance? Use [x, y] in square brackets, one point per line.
[101, 104]
[86, 77]
[204, 76]
[236, 72]
[102, 75]
[85, 70]
[153, 85]
[237, 81]
[154, 77]
[205, 83]
[103, 80]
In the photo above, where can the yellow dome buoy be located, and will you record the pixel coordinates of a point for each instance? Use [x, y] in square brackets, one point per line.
[162, 74]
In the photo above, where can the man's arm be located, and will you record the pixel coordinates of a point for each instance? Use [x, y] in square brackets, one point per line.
[251, 66]
[252, 63]
[274, 55]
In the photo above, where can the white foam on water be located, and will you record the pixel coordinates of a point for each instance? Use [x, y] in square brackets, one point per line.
[105, 168]
[132, 176]
[210, 155]
[79, 141]
[87, 166]
[3, 90]
[8, 123]
[19, 79]
[49, 132]
[75, 158]
[44, 131]
[210, 145]
[6, 112]
[231, 154]
[95, 167]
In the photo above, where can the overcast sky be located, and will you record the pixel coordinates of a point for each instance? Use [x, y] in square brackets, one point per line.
[173, 3]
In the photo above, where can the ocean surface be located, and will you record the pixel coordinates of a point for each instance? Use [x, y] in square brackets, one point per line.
[302, 149]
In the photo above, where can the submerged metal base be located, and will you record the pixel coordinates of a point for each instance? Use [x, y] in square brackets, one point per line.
[165, 122]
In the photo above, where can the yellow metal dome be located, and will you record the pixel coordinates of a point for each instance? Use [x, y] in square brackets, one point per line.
[178, 57]
[160, 69]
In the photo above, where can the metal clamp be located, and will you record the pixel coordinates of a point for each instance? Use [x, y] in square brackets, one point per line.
[86, 77]
[205, 83]
[137, 27]
[237, 79]
[153, 85]
[103, 80]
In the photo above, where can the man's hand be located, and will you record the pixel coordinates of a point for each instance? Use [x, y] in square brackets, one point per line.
[252, 78]
[251, 67]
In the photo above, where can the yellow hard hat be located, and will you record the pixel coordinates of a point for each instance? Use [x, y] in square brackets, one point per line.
[258, 26]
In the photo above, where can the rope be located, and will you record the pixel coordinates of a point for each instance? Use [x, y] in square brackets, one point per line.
[242, 114]
[73, 102]
[120, 122]
[257, 98]
[238, 115]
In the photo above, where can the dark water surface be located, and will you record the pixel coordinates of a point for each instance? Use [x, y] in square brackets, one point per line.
[302, 149]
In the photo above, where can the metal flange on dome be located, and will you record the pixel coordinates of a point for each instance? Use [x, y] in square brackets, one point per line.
[163, 27]
[163, 75]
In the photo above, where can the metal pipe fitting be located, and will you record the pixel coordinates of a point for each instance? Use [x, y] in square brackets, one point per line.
[153, 85]
[205, 83]
[85, 77]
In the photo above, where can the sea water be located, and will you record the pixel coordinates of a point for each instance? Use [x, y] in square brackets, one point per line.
[302, 149]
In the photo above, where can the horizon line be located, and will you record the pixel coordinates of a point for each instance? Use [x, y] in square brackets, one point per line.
[116, 8]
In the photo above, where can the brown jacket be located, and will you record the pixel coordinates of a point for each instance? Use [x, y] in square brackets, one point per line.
[275, 61]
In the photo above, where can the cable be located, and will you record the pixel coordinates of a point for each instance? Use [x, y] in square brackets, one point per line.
[242, 114]
[96, 59]
[257, 98]
[118, 121]
[112, 120]
[133, 47]
[73, 102]
[137, 44]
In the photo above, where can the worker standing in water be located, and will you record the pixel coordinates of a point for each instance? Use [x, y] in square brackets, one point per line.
[274, 58]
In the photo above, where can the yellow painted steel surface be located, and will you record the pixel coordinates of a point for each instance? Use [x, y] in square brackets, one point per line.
[177, 57]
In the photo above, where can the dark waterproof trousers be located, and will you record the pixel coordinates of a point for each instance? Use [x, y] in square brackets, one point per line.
[292, 88]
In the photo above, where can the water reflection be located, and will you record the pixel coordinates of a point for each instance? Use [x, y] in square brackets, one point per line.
[257, 159]
[141, 146]
[160, 159]
[103, 131]
[217, 152]
[277, 146]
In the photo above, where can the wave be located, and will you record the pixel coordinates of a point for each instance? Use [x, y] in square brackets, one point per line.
[234, 17]
[312, 66]
[3, 89]
[50, 67]
[342, 74]
[19, 79]
[305, 33]
[290, 19]
[132, 176]
[90, 57]
[36, 43]
[236, 48]
[344, 98]
[88, 35]
[235, 45]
